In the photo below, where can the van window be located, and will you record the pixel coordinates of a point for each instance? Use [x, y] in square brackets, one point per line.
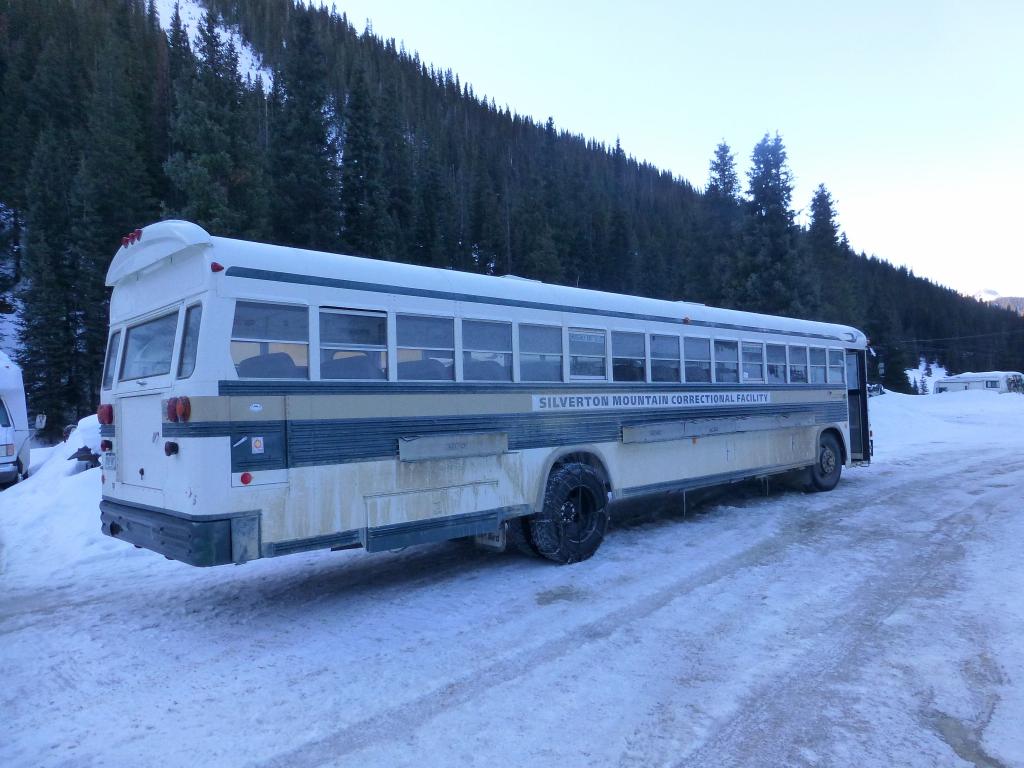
[353, 345]
[426, 348]
[5, 418]
[540, 353]
[486, 351]
[108, 365]
[270, 341]
[148, 348]
[628, 356]
[586, 353]
[190, 341]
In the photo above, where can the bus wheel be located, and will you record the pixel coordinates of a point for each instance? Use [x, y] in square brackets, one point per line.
[829, 465]
[572, 523]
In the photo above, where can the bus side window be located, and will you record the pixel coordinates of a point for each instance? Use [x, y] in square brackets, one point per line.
[819, 373]
[108, 365]
[486, 351]
[753, 361]
[587, 353]
[270, 341]
[540, 352]
[798, 365]
[697, 358]
[727, 362]
[190, 341]
[776, 354]
[426, 348]
[664, 358]
[353, 345]
[835, 366]
[628, 355]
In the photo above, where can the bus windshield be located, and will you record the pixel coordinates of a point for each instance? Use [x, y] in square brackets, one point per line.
[148, 347]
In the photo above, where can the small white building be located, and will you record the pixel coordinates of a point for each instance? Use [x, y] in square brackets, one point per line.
[990, 381]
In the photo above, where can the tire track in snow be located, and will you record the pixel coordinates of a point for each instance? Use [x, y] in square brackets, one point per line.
[404, 719]
[782, 713]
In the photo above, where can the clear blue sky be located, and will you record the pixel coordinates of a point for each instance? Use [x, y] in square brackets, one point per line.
[911, 113]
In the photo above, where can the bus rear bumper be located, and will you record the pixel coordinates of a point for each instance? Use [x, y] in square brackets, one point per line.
[197, 540]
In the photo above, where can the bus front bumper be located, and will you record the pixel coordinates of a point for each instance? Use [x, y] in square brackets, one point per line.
[200, 540]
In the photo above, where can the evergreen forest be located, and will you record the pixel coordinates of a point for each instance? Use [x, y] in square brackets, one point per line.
[110, 120]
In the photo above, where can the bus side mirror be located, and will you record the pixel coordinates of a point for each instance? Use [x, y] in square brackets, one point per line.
[40, 421]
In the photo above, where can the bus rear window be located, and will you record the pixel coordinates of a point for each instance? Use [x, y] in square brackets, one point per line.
[148, 348]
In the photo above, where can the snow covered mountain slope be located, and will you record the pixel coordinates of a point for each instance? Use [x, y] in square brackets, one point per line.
[250, 63]
[876, 625]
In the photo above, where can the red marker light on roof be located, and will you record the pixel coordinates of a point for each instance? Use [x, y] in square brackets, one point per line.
[216, 267]
[138, 234]
[124, 241]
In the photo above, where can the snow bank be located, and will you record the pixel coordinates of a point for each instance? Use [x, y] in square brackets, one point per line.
[50, 521]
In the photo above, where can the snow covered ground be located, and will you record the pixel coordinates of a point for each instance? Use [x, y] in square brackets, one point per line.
[881, 624]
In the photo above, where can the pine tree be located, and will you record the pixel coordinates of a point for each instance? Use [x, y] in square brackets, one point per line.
[724, 181]
[303, 154]
[49, 352]
[772, 275]
[367, 225]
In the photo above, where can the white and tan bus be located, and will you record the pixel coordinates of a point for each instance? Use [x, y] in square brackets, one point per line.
[259, 400]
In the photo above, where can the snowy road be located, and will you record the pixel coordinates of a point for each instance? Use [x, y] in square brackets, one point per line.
[877, 625]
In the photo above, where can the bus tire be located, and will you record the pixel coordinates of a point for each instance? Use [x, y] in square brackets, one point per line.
[828, 466]
[572, 523]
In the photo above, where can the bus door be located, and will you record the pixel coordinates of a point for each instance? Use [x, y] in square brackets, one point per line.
[857, 395]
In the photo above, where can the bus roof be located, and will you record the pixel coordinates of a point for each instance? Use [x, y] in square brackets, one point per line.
[296, 265]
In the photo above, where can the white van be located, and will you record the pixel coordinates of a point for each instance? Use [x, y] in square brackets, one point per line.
[14, 431]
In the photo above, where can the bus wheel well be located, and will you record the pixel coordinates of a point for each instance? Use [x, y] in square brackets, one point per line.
[839, 439]
[583, 457]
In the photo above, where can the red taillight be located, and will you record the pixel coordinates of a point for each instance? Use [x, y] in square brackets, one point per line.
[172, 409]
[105, 413]
[216, 266]
[106, 445]
[246, 478]
[182, 408]
[170, 448]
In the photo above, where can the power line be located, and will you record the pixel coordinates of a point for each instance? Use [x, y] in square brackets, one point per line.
[957, 338]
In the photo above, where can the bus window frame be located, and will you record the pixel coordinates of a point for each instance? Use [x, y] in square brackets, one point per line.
[388, 348]
[153, 316]
[312, 332]
[606, 357]
[180, 347]
[456, 346]
[462, 349]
